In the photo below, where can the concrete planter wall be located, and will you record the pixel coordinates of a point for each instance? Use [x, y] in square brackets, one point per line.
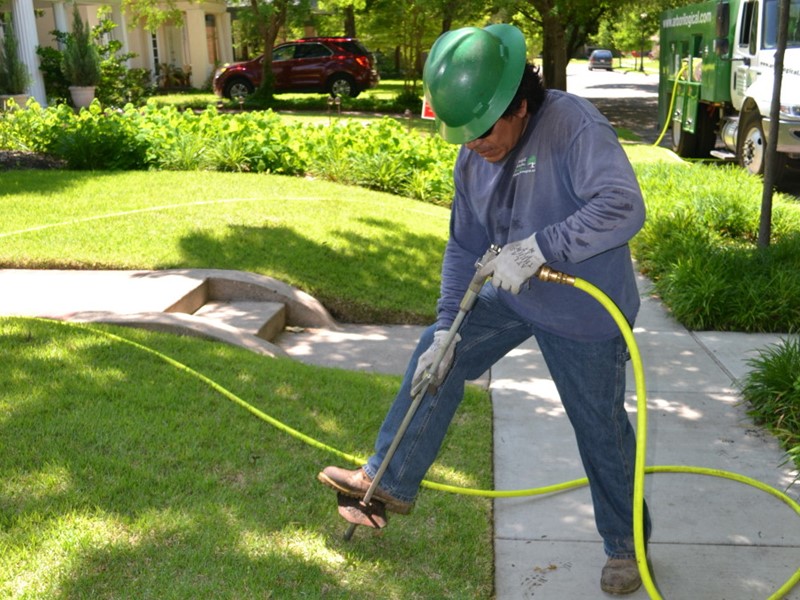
[19, 100]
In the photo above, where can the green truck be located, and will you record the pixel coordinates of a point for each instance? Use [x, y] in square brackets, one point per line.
[716, 81]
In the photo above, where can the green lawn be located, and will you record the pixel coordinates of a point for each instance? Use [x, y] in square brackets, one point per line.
[310, 234]
[124, 476]
[130, 477]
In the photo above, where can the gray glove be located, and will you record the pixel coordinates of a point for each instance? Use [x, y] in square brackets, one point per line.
[516, 264]
[426, 359]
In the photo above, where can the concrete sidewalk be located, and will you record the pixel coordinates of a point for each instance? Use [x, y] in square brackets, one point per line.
[713, 539]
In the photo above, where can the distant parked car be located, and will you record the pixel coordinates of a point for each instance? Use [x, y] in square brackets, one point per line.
[338, 66]
[601, 59]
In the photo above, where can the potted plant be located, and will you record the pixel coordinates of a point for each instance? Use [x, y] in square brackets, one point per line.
[14, 77]
[80, 62]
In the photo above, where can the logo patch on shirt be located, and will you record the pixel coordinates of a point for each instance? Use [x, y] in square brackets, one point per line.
[525, 165]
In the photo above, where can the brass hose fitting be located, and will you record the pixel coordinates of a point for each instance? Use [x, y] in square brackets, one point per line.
[545, 273]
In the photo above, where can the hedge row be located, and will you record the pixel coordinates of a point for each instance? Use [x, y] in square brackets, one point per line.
[378, 154]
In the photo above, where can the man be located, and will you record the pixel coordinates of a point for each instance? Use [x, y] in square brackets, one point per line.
[541, 174]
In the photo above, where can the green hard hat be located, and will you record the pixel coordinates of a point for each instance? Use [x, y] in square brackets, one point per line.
[470, 78]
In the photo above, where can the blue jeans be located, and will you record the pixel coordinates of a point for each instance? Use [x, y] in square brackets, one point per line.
[590, 378]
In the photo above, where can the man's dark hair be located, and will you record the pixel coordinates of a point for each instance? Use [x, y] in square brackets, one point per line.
[531, 89]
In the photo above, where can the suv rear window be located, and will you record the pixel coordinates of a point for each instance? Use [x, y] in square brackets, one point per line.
[353, 46]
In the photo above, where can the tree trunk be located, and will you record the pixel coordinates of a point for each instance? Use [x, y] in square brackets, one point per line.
[349, 21]
[770, 175]
[554, 54]
[269, 27]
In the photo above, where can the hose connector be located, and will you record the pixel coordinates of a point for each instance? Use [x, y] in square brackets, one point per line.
[545, 273]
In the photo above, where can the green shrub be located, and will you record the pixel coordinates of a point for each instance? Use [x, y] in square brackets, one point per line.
[698, 246]
[56, 85]
[772, 389]
[80, 61]
[14, 76]
[97, 140]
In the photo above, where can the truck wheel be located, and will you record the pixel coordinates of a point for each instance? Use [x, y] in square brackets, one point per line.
[752, 147]
[698, 144]
[705, 132]
[684, 144]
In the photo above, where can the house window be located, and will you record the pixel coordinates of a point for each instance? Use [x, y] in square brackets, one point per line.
[154, 45]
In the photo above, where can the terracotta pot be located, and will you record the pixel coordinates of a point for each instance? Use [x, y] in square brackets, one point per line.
[82, 96]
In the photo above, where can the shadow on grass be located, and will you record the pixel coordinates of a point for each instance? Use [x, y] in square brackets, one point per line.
[399, 264]
[47, 181]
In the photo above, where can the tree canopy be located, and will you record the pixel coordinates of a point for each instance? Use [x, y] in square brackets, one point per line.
[402, 31]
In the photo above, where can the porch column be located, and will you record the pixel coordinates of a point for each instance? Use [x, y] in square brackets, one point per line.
[120, 33]
[60, 18]
[225, 37]
[27, 38]
[198, 49]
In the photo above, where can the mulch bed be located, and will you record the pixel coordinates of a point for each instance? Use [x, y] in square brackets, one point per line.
[14, 159]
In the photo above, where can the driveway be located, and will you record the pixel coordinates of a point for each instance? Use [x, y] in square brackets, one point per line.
[627, 98]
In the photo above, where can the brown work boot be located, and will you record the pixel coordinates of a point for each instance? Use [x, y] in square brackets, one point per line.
[620, 576]
[356, 483]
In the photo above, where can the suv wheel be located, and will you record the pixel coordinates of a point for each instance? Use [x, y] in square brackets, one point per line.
[238, 87]
[342, 84]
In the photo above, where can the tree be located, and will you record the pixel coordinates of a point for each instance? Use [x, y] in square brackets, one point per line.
[152, 14]
[770, 174]
[565, 27]
[269, 18]
[404, 29]
[347, 10]
[408, 28]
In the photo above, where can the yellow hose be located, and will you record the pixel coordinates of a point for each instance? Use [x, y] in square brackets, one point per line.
[668, 120]
[641, 435]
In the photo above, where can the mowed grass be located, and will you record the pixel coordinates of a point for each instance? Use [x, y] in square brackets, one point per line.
[125, 476]
[313, 235]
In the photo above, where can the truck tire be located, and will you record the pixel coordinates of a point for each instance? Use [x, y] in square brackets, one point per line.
[698, 144]
[684, 144]
[752, 147]
[706, 132]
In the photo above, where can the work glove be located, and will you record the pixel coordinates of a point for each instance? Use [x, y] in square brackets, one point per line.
[426, 359]
[516, 264]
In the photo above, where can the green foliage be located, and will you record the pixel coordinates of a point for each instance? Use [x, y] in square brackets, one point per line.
[772, 388]
[14, 76]
[56, 84]
[698, 246]
[81, 59]
[382, 155]
[94, 139]
[118, 85]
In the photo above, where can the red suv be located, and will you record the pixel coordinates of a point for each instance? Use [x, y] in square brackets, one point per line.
[338, 66]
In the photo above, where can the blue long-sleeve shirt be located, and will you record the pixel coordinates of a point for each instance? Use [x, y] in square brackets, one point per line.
[569, 181]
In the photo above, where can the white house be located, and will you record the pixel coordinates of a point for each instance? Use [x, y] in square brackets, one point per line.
[201, 42]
